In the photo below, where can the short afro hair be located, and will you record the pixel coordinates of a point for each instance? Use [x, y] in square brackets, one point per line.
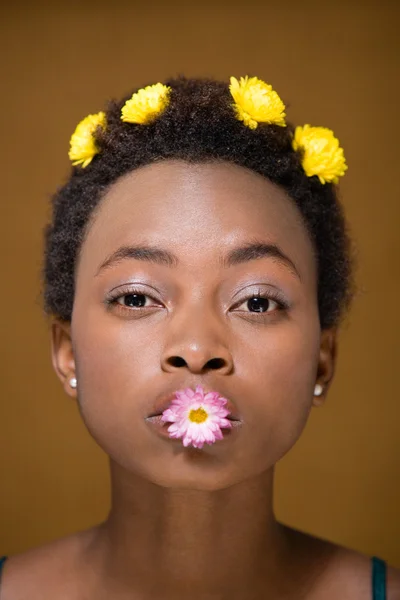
[198, 125]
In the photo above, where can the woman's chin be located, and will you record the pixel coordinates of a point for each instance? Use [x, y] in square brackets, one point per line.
[195, 470]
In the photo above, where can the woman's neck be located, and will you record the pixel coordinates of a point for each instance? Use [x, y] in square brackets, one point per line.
[166, 543]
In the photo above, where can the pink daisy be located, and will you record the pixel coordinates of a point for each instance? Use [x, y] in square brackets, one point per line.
[197, 417]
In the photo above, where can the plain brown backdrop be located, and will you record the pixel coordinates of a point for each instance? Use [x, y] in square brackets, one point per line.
[335, 64]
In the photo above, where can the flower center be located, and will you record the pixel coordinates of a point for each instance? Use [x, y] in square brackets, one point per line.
[198, 415]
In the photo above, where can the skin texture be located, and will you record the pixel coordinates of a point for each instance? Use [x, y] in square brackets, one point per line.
[125, 357]
[183, 521]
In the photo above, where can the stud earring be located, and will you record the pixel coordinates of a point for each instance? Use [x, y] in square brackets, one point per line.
[318, 389]
[72, 382]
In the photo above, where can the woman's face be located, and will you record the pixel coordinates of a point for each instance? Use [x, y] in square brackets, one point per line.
[145, 325]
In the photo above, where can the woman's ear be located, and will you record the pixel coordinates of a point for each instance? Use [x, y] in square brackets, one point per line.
[326, 365]
[62, 355]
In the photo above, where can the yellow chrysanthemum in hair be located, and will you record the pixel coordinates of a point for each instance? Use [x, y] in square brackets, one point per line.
[322, 154]
[256, 102]
[83, 146]
[146, 104]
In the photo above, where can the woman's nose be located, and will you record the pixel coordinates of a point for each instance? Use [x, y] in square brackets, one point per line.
[198, 350]
[196, 363]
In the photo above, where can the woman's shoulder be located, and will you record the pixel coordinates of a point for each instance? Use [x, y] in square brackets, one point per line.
[337, 571]
[57, 565]
[353, 574]
[340, 572]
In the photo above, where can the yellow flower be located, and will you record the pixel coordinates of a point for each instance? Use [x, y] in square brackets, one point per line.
[256, 102]
[146, 104]
[83, 146]
[322, 154]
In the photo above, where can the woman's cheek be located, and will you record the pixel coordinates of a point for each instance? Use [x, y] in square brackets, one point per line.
[284, 390]
[109, 391]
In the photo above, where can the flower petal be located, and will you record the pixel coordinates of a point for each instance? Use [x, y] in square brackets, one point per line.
[321, 154]
[256, 102]
[146, 104]
[82, 143]
[186, 425]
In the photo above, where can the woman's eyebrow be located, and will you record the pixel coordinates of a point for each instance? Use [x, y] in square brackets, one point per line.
[256, 250]
[236, 256]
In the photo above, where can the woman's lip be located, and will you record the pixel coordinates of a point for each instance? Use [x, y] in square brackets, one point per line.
[161, 428]
[157, 420]
[163, 402]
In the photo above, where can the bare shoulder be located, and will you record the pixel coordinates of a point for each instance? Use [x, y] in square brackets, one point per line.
[342, 572]
[354, 570]
[46, 570]
[393, 583]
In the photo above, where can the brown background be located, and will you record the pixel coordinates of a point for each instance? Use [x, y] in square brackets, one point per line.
[335, 64]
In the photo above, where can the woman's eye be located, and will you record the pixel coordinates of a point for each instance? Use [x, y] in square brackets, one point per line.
[253, 304]
[260, 304]
[133, 300]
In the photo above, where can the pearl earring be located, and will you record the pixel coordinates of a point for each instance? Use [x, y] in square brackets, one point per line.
[318, 389]
[73, 383]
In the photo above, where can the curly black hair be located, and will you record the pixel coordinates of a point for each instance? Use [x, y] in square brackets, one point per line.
[199, 125]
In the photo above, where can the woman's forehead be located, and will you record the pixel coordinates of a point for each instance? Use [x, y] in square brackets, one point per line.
[196, 209]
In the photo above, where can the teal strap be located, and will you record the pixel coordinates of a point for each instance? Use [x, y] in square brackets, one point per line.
[2, 561]
[378, 578]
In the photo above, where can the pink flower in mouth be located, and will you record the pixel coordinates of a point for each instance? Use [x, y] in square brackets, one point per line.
[197, 417]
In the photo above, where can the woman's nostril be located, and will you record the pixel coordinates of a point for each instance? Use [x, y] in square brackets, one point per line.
[216, 363]
[177, 361]
[213, 363]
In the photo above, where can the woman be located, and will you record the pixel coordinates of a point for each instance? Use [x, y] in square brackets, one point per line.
[198, 250]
